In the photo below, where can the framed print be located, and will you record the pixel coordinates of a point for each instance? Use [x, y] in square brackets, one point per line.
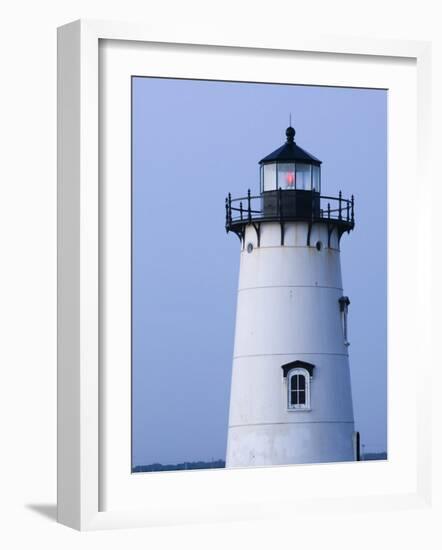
[184, 395]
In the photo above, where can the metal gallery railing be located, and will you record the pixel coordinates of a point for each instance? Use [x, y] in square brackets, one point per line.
[322, 208]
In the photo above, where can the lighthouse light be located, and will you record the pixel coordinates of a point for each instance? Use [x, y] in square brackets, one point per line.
[290, 179]
[286, 175]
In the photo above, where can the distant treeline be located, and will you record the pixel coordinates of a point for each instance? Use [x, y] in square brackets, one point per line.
[374, 456]
[200, 465]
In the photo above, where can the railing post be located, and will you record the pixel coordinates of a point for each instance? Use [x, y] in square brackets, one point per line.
[240, 210]
[352, 208]
[348, 211]
[227, 212]
[248, 206]
[230, 207]
[328, 210]
[340, 205]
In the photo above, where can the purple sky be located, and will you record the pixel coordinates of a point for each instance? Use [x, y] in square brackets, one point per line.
[193, 142]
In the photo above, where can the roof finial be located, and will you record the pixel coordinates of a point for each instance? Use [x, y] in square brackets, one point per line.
[290, 119]
[290, 132]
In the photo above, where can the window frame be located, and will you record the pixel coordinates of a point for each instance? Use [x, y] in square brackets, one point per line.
[295, 372]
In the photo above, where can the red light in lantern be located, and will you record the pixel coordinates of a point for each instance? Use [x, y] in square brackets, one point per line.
[290, 178]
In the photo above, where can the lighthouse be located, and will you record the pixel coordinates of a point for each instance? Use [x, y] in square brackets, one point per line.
[290, 399]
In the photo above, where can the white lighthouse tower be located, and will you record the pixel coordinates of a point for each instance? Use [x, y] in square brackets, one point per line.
[290, 397]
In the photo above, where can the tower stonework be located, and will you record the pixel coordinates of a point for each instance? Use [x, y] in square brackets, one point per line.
[290, 399]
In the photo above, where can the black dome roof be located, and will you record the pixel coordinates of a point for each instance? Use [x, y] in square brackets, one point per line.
[290, 152]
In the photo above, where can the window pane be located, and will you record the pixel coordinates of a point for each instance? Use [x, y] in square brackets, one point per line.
[295, 382]
[316, 179]
[286, 175]
[301, 397]
[303, 177]
[293, 398]
[301, 382]
[269, 177]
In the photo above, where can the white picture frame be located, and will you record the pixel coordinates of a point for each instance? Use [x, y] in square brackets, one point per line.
[82, 469]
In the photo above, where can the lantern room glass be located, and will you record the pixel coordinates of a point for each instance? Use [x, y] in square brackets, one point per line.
[316, 179]
[304, 177]
[268, 172]
[290, 176]
[286, 176]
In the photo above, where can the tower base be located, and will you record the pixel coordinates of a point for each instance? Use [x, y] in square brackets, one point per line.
[273, 444]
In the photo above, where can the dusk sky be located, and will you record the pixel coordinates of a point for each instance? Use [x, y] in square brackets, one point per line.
[193, 142]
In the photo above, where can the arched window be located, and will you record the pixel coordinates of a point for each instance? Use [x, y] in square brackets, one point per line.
[298, 389]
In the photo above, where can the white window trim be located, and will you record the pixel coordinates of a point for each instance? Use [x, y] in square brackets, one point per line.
[299, 408]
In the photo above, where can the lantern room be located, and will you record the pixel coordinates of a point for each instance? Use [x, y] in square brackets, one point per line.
[290, 168]
[290, 191]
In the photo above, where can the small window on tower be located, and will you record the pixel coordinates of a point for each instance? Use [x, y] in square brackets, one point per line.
[298, 389]
[344, 302]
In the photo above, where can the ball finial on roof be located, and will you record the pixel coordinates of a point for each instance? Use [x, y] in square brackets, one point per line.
[290, 133]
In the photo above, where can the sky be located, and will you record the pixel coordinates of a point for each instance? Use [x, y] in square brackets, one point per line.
[193, 142]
